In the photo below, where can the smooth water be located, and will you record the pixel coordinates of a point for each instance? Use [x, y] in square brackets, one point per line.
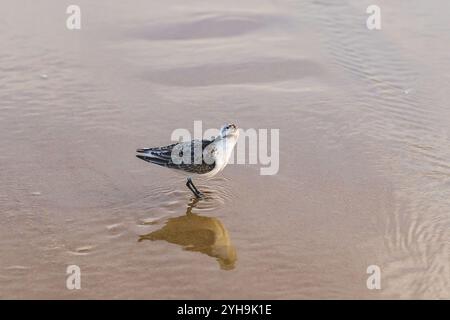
[364, 153]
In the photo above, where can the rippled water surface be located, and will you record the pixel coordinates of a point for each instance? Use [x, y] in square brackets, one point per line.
[364, 173]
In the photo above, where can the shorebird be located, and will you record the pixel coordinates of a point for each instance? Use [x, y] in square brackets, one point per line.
[204, 158]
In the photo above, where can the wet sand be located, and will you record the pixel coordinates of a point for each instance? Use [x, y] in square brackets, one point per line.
[364, 173]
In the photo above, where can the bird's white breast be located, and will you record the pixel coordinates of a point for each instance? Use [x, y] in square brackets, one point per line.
[223, 150]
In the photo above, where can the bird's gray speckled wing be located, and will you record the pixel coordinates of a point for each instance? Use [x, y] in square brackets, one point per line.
[196, 156]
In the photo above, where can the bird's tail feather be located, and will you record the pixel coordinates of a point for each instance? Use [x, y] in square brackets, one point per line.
[158, 155]
[144, 150]
[152, 159]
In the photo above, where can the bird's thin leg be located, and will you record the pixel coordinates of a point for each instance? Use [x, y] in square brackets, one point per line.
[192, 187]
[199, 194]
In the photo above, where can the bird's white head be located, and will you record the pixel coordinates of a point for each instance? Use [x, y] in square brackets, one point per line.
[228, 131]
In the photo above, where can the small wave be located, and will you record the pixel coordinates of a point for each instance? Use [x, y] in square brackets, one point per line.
[263, 71]
[204, 26]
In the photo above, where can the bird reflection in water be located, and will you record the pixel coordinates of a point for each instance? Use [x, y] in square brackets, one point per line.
[198, 233]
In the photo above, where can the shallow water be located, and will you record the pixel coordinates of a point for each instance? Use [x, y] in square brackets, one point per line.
[364, 173]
